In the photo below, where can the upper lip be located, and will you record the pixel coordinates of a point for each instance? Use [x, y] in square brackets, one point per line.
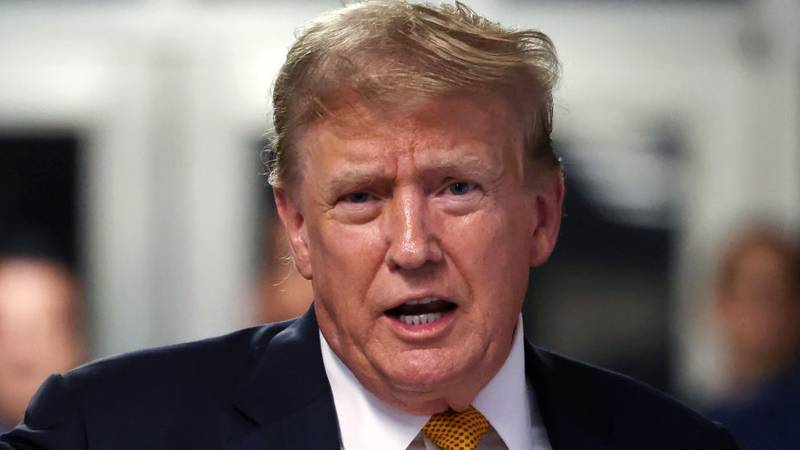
[417, 297]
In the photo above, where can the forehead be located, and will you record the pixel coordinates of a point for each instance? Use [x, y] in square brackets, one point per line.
[480, 129]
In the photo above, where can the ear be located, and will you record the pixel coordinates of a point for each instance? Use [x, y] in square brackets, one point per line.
[548, 209]
[292, 219]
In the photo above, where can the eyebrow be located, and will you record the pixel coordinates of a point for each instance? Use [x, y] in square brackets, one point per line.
[460, 164]
[470, 165]
[464, 165]
[354, 177]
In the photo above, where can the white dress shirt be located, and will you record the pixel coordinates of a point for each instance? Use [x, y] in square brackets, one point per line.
[366, 422]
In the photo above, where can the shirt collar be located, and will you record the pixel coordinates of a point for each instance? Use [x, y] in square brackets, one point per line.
[364, 419]
[507, 403]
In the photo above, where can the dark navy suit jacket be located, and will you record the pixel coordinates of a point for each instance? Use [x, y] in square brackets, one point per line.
[265, 388]
[768, 416]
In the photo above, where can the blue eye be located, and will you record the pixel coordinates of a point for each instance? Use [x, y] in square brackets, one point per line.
[460, 187]
[357, 197]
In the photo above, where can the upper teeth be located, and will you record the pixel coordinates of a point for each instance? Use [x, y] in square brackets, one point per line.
[423, 301]
[420, 319]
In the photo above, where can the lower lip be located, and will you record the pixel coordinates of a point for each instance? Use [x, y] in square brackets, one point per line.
[422, 331]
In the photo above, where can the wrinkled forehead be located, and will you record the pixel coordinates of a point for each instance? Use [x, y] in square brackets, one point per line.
[455, 123]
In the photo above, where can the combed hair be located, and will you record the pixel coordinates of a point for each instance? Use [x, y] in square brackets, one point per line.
[390, 52]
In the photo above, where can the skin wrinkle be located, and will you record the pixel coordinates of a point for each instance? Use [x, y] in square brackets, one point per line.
[412, 234]
[351, 124]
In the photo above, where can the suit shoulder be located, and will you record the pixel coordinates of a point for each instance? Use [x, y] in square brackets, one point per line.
[630, 407]
[220, 359]
[143, 399]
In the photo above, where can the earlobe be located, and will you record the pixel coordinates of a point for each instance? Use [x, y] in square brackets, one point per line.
[548, 208]
[294, 223]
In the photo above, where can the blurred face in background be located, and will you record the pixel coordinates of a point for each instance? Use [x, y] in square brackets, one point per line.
[37, 330]
[760, 311]
[418, 229]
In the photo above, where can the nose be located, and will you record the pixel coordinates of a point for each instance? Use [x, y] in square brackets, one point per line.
[412, 242]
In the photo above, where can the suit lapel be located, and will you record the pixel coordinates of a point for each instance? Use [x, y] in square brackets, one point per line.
[287, 402]
[570, 422]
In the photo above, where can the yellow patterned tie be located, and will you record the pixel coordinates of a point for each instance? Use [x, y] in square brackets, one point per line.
[457, 430]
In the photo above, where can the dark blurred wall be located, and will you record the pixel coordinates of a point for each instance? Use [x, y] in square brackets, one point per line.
[39, 203]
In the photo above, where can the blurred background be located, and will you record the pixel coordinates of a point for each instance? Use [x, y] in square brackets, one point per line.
[130, 178]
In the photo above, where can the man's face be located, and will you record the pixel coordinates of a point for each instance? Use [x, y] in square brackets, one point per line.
[417, 231]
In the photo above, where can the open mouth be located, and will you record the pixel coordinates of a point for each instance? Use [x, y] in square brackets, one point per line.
[422, 312]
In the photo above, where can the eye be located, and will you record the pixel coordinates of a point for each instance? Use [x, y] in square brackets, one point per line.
[460, 187]
[356, 197]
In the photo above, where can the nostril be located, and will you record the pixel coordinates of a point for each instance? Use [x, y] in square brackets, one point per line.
[407, 256]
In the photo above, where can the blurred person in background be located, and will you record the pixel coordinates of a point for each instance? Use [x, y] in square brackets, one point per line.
[758, 307]
[39, 329]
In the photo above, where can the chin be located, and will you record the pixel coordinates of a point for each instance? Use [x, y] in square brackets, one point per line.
[427, 408]
[424, 372]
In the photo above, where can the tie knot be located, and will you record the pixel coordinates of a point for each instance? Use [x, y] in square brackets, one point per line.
[457, 430]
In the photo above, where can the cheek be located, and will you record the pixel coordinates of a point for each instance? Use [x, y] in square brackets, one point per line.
[490, 250]
[342, 241]
[495, 238]
[344, 258]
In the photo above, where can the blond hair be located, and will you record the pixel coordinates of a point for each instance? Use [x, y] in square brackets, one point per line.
[387, 52]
